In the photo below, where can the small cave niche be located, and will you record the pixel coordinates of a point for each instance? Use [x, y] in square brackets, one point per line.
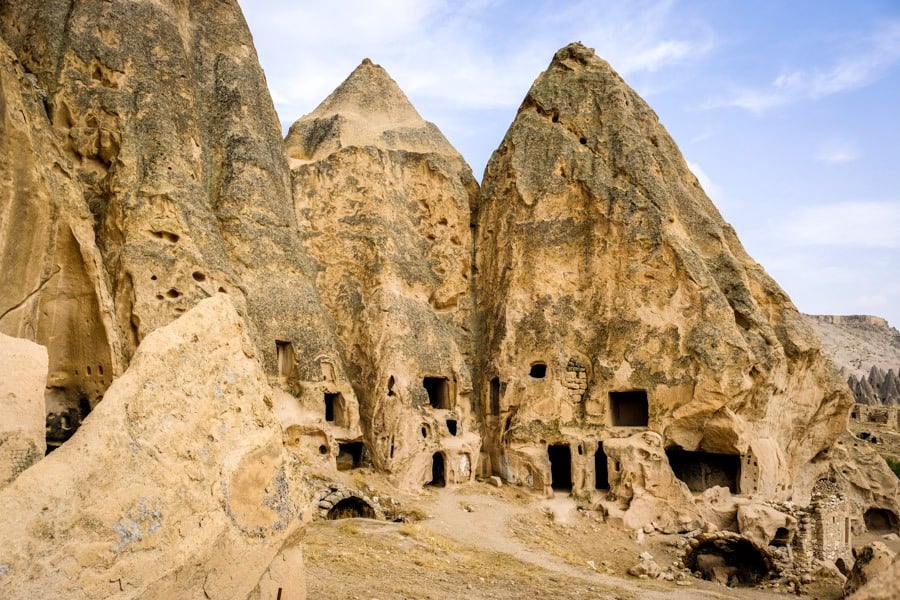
[438, 389]
[629, 408]
[350, 455]
[451, 426]
[601, 469]
[560, 456]
[284, 355]
[334, 408]
[390, 386]
[351, 508]
[880, 520]
[438, 478]
[782, 537]
[538, 370]
[495, 396]
[703, 470]
[426, 431]
[735, 562]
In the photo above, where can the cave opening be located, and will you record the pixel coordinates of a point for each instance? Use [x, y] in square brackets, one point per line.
[560, 466]
[703, 470]
[351, 508]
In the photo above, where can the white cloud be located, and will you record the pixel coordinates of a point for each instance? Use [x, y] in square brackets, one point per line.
[846, 224]
[451, 53]
[712, 189]
[837, 152]
[858, 68]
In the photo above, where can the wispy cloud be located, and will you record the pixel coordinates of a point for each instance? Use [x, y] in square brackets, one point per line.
[876, 54]
[838, 151]
[448, 51]
[846, 224]
[712, 189]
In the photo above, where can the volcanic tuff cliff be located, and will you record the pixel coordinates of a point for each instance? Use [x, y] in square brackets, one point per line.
[384, 202]
[598, 253]
[601, 331]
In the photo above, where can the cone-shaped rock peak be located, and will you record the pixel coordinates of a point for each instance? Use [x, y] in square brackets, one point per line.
[612, 293]
[367, 109]
[386, 199]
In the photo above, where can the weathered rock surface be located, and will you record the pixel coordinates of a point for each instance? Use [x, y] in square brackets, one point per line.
[885, 585]
[143, 171]
[22, 381]
[761, 524]
[178, 485]
[872, 561]
[384, 201]
[613, 295]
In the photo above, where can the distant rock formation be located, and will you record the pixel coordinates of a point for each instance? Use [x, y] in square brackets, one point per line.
[856, 343]
[878, 388]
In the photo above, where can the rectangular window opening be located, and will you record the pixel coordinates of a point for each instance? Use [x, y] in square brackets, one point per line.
[629, 409]
[495, 396]
[350, 455]
[601, 469]
[284, 355]
[703, 470]
[451, 426]
[438, 389]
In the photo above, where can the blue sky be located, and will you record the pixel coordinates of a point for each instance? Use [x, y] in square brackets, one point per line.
[788, 112]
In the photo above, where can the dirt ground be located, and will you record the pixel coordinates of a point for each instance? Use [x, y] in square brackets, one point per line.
[478, 541]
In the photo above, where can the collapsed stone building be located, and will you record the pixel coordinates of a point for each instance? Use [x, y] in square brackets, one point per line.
[247, 311]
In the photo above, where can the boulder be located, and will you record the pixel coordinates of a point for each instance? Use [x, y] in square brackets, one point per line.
[872, 561]
[884, 585]
[22, 382]
[762, 524]
[177, 485]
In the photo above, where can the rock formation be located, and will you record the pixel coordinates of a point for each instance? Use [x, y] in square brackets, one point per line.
[856, 343]
[144, 171]
[234, 317]
[384, 202]
[878, 388]
[178, 485]
[613, 298]
[22, 381]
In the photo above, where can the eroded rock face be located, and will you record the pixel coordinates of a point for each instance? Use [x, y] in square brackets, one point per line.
[176, 486]
[144, 173]
[614, 298]
[22, 381]
[384, 201]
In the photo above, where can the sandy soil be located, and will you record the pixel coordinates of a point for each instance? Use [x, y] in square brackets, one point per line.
[483, 542]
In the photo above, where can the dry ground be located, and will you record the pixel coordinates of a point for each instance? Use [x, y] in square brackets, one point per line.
[483, 542]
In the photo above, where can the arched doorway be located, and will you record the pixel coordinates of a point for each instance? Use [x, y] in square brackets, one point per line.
[437, 470]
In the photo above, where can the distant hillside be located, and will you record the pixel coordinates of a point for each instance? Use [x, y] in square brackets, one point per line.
[856, 343]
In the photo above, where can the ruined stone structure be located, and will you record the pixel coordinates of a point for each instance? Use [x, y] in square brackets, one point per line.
[234, 316]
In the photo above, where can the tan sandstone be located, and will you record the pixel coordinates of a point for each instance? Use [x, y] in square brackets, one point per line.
[178, 485]
[384, 200]
[22, 381]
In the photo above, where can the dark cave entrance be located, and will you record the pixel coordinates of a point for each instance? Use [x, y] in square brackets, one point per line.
[601, 469]
[351, 508]
[350, 455]
[880, 520]
[729, 561]
[560, 466]
[437, 470]
[438, 389]
[703, 470]
[629, 409]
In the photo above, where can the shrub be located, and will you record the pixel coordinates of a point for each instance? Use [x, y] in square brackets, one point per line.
[894, 464]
